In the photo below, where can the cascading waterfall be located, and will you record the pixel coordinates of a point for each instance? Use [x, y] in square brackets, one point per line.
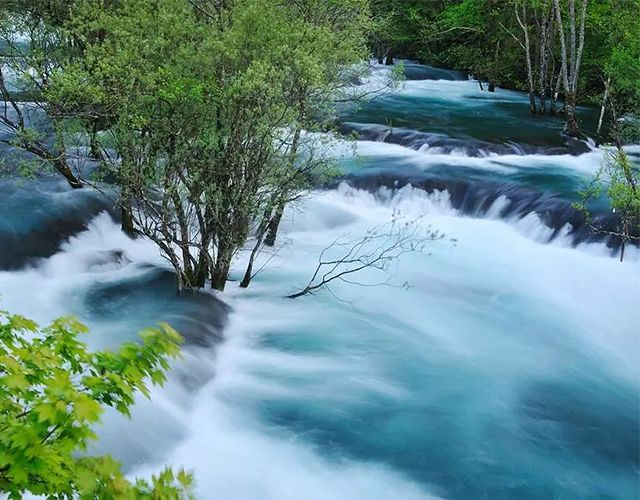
[506, 367]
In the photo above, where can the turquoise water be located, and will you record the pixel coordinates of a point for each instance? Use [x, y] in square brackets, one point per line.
[501, 365]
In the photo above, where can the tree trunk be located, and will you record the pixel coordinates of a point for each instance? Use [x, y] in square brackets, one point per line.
[480, 84]
[527, 48]
[491, 87]
[221, 268]
[571, 59]
[248, 274]
[179, 282]
[202, 267]
[94, 145]
[543, 102]
[264, 224]
[545, 31]
[61, 165]
[571, 127]
[556, 94]
[389, 59]
[532, 102]
[127, 220]
[602, 108]
[564, 69]
[274, 224]
[58, 157]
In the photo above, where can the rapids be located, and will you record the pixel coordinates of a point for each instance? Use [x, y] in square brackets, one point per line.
[507, 367]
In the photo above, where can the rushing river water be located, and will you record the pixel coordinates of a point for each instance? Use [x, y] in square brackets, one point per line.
[507, 368]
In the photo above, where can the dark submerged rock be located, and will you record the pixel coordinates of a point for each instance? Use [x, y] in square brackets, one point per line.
[445, 144]
[37, 216]
[150, 297]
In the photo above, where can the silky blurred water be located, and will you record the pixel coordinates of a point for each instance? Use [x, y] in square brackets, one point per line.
[502, 365]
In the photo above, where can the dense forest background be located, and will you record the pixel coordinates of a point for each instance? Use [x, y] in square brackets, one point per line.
[517, 44]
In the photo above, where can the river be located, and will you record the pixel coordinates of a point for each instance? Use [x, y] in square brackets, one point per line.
[506, 366]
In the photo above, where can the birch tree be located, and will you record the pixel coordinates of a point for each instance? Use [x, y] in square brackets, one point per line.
[571, 48]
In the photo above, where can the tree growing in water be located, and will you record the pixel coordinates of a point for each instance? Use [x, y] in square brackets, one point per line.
[207, 122]
[571, 49]
[619, 180]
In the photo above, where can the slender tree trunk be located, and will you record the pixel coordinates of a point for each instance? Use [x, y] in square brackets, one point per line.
[94, 145]
[572, 37]
[173, 258]
[179, 282]
[222, 266]
[527, 47]
[532, 101]
[571, 59]
[545, 30]
[202, 266]
[200, 276]
[571, 127]
[127, 220]
[126, 212]
[556, 93]
[262, 229]
[543, 101]
[61, 165]
[185, 248]
[480, 83]
[248, 274]
[551, 69]
[603, 107]
[60, 162]
[564, 69]
[274, 224]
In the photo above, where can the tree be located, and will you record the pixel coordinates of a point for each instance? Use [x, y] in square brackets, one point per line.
[33, 47]
[398, 26]
[571, 48]
[466, 34]
[522, 19]
[618, 63]
[209, 130]
[614, 60]
[53, 390]
[545, 24]
[619, 181]
[519, 44]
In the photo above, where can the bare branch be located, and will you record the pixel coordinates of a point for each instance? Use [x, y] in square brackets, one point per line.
[379, 249]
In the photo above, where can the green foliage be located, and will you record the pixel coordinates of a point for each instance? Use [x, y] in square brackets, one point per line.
[53, 390]
[478, 36]
[613, 45]
[619, 180]
[210, 103]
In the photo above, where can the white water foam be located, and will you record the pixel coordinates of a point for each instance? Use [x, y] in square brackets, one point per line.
[495, 295]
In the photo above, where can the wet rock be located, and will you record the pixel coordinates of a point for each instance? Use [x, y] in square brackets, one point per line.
[149, 296]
